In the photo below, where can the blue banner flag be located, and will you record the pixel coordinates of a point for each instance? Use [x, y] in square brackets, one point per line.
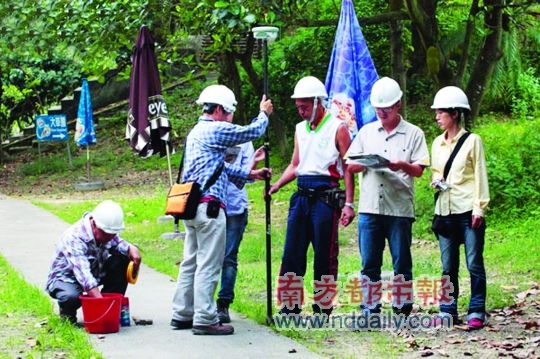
[351, 73]
[84, 129]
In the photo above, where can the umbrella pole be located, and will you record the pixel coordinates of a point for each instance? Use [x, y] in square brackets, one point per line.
[267, 200]
[87, 164]
[169, 163]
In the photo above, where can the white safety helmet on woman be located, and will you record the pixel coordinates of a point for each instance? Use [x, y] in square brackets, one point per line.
[220, 95]
[385, 93]
[109, 217]
[450, 97]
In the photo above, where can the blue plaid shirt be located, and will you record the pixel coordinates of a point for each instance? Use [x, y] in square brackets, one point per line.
[205, 151]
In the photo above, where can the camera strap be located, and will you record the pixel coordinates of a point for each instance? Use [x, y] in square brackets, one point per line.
[448, 164]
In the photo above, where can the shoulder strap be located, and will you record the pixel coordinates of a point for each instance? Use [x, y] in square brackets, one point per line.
[212, 179]
[454, 153]
[448, 164]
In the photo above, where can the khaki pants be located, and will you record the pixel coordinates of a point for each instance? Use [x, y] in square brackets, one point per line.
[204, 249]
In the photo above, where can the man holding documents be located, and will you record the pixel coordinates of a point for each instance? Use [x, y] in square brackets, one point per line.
[389, 153]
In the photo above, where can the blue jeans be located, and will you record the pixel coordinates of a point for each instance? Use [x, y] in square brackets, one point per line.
[235, 231]
[473, 239]
[373, 230]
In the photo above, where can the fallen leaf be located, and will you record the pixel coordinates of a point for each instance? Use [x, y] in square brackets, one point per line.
[426, 353]
[531, 324]
[473, 339]
[442, 353]
[467, 354]
[492, 329]
[292, 351]
[454, 341]
[101, 336]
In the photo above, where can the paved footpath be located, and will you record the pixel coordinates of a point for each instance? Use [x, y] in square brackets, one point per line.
[27, 238]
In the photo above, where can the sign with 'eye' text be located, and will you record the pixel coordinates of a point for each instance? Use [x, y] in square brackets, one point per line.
[51, 128]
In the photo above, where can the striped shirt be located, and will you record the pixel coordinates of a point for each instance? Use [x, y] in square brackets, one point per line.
[78, 258]
[205, 151]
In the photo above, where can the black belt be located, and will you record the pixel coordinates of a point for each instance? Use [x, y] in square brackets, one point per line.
[332, 196]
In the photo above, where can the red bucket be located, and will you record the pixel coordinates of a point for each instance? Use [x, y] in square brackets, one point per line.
[101, 315]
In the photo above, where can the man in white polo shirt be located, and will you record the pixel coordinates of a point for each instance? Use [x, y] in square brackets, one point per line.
[386, 208]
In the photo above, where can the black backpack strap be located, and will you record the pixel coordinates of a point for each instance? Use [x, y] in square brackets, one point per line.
[448, 164]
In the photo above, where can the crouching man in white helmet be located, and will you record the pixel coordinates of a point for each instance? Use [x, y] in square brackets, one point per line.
[320, 142]
[90, 253]
[204, 246]
[386, 207]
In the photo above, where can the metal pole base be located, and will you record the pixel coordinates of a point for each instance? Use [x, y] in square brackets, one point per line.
[173, 235]
[163, 219]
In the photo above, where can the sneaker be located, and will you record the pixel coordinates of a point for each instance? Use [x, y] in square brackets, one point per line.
[214, 329]
[475, 324]
[181, 324]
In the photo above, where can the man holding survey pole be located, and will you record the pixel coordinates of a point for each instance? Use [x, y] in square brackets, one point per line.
[389, 153]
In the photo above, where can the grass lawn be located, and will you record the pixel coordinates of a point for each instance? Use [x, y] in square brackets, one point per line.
[29, 328]
[508, 259]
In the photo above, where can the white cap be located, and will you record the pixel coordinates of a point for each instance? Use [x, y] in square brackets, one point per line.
[451, 97]
[385, 93]
[218, 94]
[309, 87]
[109, 217]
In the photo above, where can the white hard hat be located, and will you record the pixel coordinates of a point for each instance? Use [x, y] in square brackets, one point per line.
[450, 97]
[218, 94]
[309, 87]
[109, 217]
[385, 93]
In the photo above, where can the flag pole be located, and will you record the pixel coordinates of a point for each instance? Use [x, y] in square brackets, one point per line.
[266, 33]
[169, 163]
[87, 163]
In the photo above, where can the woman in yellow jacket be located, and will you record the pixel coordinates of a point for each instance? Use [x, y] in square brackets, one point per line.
[461, 199]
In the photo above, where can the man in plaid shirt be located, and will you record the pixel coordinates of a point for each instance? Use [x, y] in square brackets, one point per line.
[90, 253]
[204, 246]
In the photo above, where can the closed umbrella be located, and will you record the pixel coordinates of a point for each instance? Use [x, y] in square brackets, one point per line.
[85, 134]
[148, 123]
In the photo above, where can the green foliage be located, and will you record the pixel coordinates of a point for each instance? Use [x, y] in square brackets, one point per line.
[526, 97]
[31, 84]
[513, 159]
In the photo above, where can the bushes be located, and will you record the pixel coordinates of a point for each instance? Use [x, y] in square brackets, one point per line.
[526, 98]
[513, 160]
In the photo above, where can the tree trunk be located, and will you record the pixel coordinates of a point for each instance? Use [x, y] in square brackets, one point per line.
[465, 48]
[423, 17]
[230, 76]
[489, 55]
[396, 45]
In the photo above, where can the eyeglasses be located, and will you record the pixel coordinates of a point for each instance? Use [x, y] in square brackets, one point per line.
[385, 109]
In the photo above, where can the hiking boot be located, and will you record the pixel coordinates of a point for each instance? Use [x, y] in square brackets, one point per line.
[181, 324]
[214, 329]
[475, 324]
[223, 311]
